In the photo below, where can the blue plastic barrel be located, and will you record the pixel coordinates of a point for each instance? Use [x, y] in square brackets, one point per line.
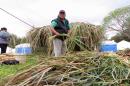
[23, 49]
[108, 47]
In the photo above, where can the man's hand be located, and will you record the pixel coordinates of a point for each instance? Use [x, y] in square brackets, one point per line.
[55, 32]
[68, 31]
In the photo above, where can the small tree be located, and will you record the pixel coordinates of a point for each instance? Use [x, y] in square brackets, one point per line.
[118, 20]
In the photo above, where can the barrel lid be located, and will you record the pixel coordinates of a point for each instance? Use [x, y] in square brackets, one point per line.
[23, 45]
[109, 43]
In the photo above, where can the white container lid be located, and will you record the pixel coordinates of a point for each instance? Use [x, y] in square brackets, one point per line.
[23, 45]
[109, 43]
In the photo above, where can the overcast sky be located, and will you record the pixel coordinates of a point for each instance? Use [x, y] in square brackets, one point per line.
[41, 12]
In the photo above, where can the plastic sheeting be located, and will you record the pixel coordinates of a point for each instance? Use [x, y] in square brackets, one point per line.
[123, 45]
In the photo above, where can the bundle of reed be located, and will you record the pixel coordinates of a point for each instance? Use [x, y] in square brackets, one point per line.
[84, 36]
[39, 38]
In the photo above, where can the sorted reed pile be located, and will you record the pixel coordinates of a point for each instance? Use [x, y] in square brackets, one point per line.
[125, 52]
[85, 36]
[76, 69]
[4, 57]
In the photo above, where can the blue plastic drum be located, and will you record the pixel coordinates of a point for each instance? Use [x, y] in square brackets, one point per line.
[23, 49]
[108, 47]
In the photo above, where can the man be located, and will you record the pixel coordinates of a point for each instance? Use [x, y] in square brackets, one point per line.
[4, 39]
[60, 25]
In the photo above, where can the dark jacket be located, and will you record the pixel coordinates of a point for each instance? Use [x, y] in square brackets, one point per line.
[62, 27]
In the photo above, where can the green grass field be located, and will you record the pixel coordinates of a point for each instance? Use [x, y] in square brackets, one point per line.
[7, 71]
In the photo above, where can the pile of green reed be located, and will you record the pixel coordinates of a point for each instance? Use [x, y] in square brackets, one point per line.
[76, 69]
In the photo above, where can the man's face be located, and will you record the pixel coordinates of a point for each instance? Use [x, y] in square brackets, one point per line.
[62, 15]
